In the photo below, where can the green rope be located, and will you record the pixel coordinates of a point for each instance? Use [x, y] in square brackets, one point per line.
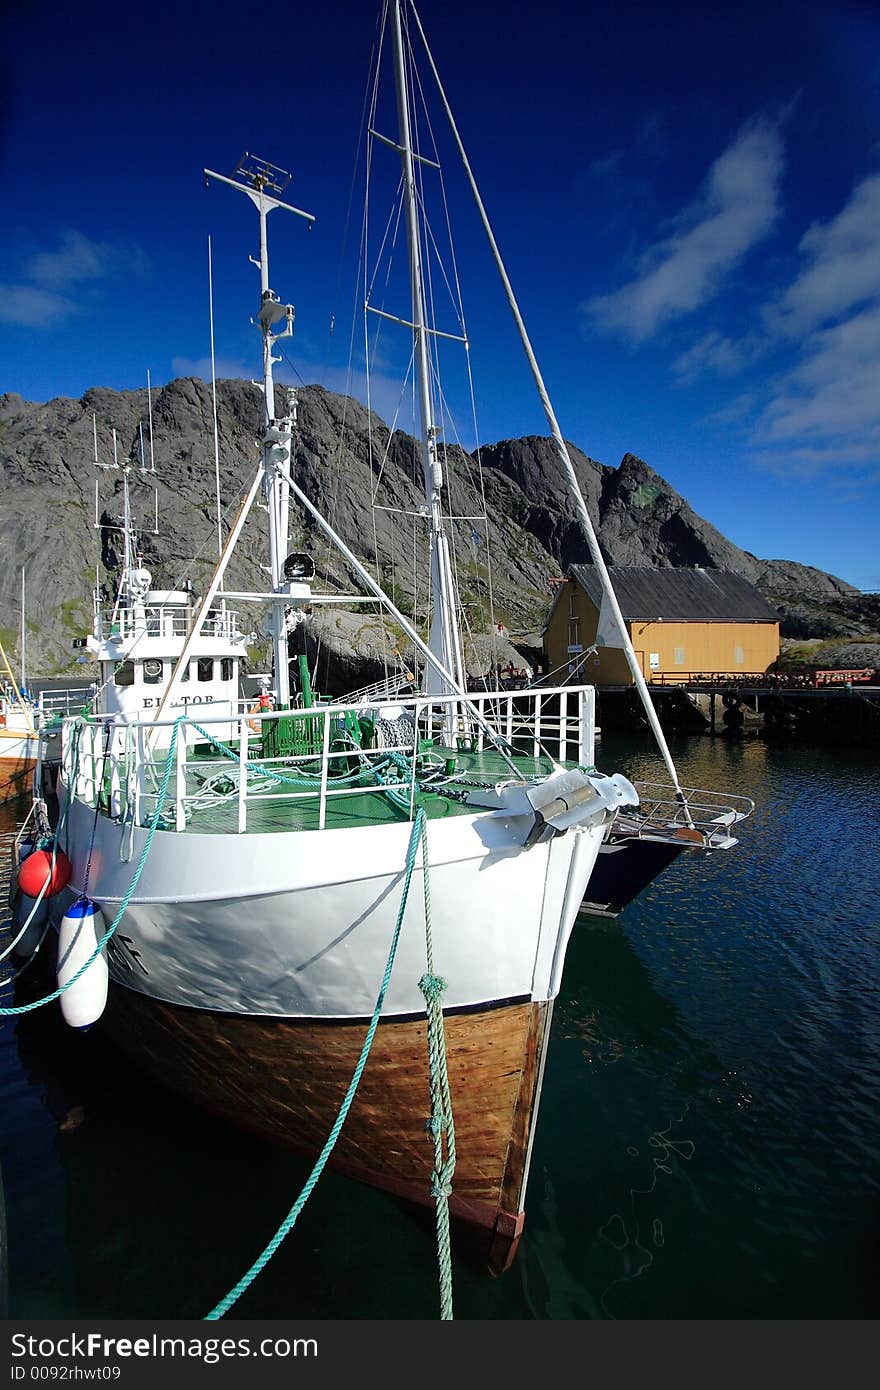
[313, 783]
[289, 1221]
[129, 893]
[441, 1122]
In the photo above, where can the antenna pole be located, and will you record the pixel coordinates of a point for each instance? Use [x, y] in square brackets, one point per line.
[261, 181]
[150, 414]
[214, 401]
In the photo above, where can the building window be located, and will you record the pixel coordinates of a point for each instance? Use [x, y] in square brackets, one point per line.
[152, 671]
[679, 656]
[738, 657]
[226, 668]
[124, 673]
[205, 668]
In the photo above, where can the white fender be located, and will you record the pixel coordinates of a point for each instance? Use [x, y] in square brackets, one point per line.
[82, 927]
[24, 907]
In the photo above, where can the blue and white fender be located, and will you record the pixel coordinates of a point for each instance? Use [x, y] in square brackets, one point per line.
[80, 930]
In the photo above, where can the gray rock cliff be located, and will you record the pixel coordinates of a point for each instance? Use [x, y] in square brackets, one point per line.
[47, 517]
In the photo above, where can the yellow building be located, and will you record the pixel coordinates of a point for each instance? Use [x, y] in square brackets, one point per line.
[682, 623]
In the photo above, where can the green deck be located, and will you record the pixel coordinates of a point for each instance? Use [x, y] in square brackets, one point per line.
[266, 813]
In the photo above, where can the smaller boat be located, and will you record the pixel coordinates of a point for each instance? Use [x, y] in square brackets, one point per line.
[640, 845]
[19, 716]
[27, 721]
[19, 741]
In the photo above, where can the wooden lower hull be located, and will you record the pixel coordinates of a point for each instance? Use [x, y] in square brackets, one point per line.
[286, 1078]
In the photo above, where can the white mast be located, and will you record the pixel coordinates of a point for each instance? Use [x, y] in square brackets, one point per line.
[277, 437]
[445, 640]
[150, 414]
[559, 443]
[23, 656]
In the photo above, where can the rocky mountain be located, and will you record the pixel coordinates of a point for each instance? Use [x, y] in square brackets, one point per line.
[344, 457]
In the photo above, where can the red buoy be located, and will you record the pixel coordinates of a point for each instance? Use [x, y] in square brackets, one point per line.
[38, 869]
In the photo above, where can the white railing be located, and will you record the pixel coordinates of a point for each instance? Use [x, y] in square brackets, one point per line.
[169, 622]
[120, 766]
[65, 702]
[390, 688]
[710, 813]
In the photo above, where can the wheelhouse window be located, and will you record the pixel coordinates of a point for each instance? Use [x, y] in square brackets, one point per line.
[226, 668]
[124, 673]
[152, 671]
[205, 668]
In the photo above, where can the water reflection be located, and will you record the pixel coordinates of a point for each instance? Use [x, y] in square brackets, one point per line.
[708, 1141]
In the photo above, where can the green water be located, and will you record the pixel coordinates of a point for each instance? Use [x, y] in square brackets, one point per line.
[707, 1143]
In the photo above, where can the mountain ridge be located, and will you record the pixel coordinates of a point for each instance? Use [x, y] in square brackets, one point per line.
[343, 456]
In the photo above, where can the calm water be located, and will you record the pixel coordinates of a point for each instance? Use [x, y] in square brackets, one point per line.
[708, 1137]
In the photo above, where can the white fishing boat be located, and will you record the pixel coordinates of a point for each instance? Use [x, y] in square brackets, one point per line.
[19, 719]
[254, 862]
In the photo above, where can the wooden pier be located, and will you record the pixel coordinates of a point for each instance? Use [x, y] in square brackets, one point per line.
[778, 706]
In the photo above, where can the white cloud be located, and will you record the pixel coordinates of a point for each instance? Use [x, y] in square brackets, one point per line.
[390, 398]
[227, 368]
[834, 390]
[824, 411]
[736, 412]
[79, 259]
[738, 208]
[713, 352]
[842, 270]
[858, 459]
[31, 307]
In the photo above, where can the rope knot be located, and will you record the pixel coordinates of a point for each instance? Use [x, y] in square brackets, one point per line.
[432, 987]
[440, 1187]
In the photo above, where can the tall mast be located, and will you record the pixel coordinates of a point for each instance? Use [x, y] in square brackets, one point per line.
[561, 446]
[23, 654]
[260, 181]
[445, 640]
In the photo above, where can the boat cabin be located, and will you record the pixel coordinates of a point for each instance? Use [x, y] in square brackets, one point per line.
[138, 647]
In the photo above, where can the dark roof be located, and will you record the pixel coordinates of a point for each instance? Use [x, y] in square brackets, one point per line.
[683, 595]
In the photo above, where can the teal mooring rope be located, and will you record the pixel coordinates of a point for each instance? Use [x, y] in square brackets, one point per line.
[290, 1219]
[441, 1122]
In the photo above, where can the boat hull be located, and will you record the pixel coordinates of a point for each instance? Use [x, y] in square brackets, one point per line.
[625, 867]
[18, 759]
[300, 924]
[285, 1079]
[245, 969]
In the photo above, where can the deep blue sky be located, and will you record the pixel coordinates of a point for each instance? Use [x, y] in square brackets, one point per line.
[687, 196]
